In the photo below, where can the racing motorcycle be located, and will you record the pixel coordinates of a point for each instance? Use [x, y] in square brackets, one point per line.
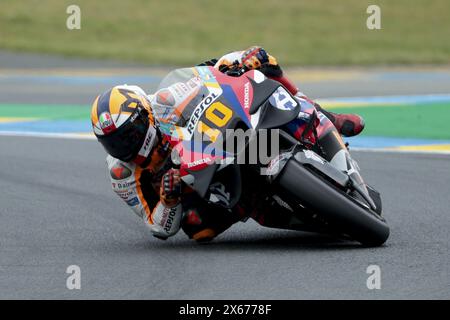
[320, 197]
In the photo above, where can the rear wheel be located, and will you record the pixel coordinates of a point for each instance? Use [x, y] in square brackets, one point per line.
[333, 205]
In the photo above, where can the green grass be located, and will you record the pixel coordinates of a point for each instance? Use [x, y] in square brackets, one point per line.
[182, 32]
[409, 121]
[44, 111]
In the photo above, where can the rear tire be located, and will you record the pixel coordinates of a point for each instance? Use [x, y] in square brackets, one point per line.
[333, 205]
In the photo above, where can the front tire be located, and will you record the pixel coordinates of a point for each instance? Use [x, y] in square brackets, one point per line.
[333, 205]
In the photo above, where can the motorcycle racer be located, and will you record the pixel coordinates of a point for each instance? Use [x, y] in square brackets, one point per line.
[126, 122]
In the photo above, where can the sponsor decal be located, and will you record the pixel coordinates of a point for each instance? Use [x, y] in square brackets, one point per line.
[120, 172]
[125, 195]
[198, 111]
[247, 95]
[148, 142]
[165, 97]
[122, 185]
[171, 215]
[133, 202]
[199, 162]
[181, 89]
[106, 123]
[194, 82]
[282, 100]
[134, 116]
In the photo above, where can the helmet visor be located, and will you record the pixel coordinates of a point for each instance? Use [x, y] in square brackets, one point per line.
[125, 143]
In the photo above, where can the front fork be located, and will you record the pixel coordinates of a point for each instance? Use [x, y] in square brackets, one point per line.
[332, 147]
[336, 152]
[338, 166]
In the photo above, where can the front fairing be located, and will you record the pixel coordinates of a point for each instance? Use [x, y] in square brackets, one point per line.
[207, 103]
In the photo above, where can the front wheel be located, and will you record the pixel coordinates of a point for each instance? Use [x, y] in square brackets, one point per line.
[333, 205]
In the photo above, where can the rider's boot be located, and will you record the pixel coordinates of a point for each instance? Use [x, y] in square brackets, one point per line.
[348, 125]
[203, 223]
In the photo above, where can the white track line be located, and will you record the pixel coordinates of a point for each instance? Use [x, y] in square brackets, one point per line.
[388, 150]
[47, 135]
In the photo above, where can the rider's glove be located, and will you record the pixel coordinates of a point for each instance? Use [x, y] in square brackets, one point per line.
[258, 58]
[254, 58]
[170, 190]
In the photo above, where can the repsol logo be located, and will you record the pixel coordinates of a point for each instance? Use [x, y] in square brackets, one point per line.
[199, 111]
[169, 222]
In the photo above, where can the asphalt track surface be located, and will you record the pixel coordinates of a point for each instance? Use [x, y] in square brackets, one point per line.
[57, 209]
